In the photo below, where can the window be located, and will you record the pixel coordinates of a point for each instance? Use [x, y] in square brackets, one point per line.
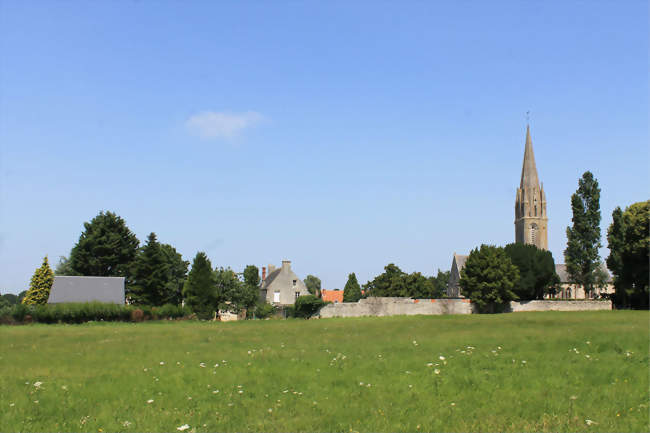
[294, 283]
[297, 294]
[533, 234]
[276, 296]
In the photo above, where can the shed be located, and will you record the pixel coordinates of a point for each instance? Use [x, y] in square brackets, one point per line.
[87, 289]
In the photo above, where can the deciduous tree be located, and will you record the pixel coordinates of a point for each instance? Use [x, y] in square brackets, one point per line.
[629, 243]
[313, 285]
[489, 278]
[583, 237]
[40, 285]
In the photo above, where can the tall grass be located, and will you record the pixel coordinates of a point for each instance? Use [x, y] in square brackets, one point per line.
[548, 371]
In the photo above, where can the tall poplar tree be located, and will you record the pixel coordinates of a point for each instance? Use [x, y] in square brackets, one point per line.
[199, 291]
[39, 287]
[352, 290]
[583, 237]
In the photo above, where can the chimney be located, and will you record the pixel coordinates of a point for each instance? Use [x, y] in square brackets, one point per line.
[286, 265]
[271, 269]
[263, 273]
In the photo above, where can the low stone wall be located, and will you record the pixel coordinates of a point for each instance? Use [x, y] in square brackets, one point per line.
[432, 307]
[396, 306]
[586, 305]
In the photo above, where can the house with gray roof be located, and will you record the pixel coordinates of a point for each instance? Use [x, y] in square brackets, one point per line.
[569, 289]
[87, 289]
[453, 286]
[282, 286]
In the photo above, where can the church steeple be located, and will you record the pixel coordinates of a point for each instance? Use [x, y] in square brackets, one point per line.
[530, 202]
[529, 169]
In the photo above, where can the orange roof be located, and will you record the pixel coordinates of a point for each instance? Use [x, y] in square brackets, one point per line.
[332, 295]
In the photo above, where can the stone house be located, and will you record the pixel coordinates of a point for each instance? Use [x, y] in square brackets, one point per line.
[453, 286]
[281, 286]
[570, 290]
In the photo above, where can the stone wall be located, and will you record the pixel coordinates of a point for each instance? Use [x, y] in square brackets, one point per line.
[433, 307]
[397, 306]
[586, 305]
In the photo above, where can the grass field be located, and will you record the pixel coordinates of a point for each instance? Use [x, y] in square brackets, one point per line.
[583, 371]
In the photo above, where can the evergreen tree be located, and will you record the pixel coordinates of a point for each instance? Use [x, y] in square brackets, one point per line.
[199, 291]
[389, 283]
[313, 285]
[629, 260]
[352, 290]
[150, 275]
[489, 278]
[39, 287]
[583, 237]
[536, 270]
[176, 273]
[106, 248]
[419, 286]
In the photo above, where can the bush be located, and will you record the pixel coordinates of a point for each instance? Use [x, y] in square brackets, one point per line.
[171, 311]
[264, 310]
[19, 312]
[307, 306]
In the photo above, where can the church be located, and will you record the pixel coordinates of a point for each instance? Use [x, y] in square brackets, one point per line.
[531, 227]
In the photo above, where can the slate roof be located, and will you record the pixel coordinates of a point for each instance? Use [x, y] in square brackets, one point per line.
[460, 261]
[560, 270]
[270, 277]
[87, 289]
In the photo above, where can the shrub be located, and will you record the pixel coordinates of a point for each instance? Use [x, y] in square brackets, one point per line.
[171, 311]
[137, 315]
[307, 306]
[19, 312]
[264, 310]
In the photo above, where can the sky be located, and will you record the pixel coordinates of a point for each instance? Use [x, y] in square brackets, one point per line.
[339, 135]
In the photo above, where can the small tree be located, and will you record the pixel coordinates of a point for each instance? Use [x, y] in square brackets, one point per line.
[440, 282]
[536, 270]
[352, 290]
[489, 278]
[39, 287]
[583, 237]
[199, 290]
[313, 285]
[419, 286]
[389, 283]
[308, 305]
[176, 273]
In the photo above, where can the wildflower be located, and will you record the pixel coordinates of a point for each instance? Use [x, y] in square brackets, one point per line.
[573, 397]
[38, 384]
[430, 364]
[590, 422]
[249, 352]
[360, 383]
[270, 410]
[36, 401]
[183, 427]
[285, 391]
[144, 369]
[178, 363]
[499, 347]
[588, 342]
[453, 404]
[587, 356]
[240, 391]
[216, 365]
[216, 391]
[436, 371]
[150, 401]
[415, 343]
[126, 423]
[64, 387]
[12, 404]
[410, 386]
[202, 365]
[162, 363]
[442, 358]
[315, 403]
[523, 362]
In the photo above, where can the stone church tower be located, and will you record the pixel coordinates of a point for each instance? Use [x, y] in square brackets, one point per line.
[531, 220]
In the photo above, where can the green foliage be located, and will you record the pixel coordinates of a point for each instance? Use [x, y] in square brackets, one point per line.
[9, 299]
[39, 287]
[352, 290]
[252, 276]
[629, 243]
[106, 248]
[536, 270]
[199, 291]
[64, 267]
[250, 287]
[489, 278]
[440, 282]
[583, 237]
[264, 310]
[307, 305]
[395, 282]
[176, 273]
[313, 285]
[150, 276]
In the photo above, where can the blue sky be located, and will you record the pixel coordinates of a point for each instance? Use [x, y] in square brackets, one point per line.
[339, 135]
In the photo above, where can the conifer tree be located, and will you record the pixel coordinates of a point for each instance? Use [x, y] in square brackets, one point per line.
[199, 291]
[150, 275]
[39, 287]
[352, 290]
[583, 237]
[176, 273]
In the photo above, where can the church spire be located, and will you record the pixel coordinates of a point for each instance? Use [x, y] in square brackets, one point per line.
[529, 170]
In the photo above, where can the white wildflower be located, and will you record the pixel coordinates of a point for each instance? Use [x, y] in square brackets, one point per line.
[202, 365]
[453, 404]
[430, 364]
[216, 391]
[588, 342]
[436, 371]
[285, 391]
[36, 401]
[360, 383]
[144, 369]
[442, 358]
[216, 365]
[126, 423]
[523, 362]
[183, 427]
[499, 347]
[240, 391]
[590, 422]
[12, 404]
[64, 387]
[368, 386]
[162, 362]
[38, 384]
[149, 401]
[270, 410]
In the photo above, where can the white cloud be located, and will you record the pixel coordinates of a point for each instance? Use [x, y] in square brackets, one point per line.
[211, 125]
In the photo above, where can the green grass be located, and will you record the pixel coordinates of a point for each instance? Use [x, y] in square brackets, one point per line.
[367, 374]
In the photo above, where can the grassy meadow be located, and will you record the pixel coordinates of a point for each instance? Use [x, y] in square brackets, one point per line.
[581, 371]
